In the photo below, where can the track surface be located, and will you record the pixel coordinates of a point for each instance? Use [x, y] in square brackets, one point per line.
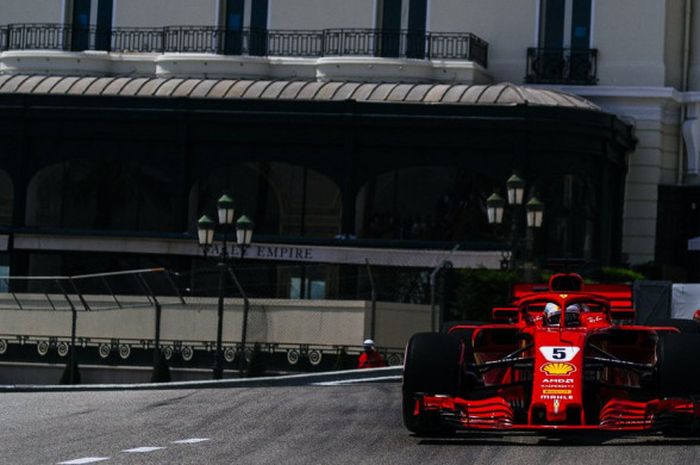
[351, 424]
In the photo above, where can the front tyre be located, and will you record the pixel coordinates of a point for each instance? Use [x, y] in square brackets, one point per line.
[431, 366]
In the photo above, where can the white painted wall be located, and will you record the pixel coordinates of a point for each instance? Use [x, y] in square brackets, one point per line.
[509, 28]
[629, 35]
[30, 11]
[158, 13]
[321, 14]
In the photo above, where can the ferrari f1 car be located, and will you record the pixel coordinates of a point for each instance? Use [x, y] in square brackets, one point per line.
[563, 356]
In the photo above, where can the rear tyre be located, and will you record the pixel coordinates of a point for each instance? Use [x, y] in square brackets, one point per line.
[677, 376]
[677, 361]
[431, 366]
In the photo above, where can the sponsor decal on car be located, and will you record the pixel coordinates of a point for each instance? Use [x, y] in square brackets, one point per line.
[556, 397]
[558, 381]
[556, 391]
[558, 368]
[559, 354]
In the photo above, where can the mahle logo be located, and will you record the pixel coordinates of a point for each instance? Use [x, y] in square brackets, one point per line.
[558, 368]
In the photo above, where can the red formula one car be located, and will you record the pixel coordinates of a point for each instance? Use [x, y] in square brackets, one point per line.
[562, 357]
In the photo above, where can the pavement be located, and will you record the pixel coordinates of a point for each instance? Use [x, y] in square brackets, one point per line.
[336, 423]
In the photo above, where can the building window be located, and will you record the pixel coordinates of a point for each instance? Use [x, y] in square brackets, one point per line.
[103, 33]
[390, 33]
[258, 27]
[233, 40]
[415, 40]
[82, 37]
[305, 288]
[564, 55]
[565, 24]
[81, 25]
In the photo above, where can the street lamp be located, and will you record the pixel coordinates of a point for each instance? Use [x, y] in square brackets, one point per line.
[205, 235]
[516, 189]
[533, 212]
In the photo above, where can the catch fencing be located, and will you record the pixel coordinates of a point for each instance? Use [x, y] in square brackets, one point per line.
[300, 316]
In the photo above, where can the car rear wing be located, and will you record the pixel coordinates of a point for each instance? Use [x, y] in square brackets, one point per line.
[619, 295]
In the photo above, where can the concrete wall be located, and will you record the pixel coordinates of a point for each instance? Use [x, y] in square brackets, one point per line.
[321, 14]
[694, 81]
[629, 36]
[158, 13]
[293, 322]
[31, 11]
[509, 28]
[673, 46]
[639, 41]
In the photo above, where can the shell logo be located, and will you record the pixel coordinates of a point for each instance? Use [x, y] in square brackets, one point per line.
[558, 368]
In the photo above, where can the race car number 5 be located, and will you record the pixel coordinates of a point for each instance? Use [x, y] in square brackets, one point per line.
[559, 354]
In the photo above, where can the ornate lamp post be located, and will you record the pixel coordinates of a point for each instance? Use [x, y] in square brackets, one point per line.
[205, 235]
[533, 212]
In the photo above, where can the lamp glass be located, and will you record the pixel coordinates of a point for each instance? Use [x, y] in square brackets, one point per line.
[495, 215]
[225, 209]
[516, 190]
[494, 208]
[205, 231]
[244, 230]
[535, 213]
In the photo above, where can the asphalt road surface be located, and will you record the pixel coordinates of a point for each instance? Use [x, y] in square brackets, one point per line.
[347, 424]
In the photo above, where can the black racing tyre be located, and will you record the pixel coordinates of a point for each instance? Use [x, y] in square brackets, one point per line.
[431, 366]
[677, 371]
[684, 326]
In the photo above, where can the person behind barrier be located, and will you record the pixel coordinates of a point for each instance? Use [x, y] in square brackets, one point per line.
[370, 358]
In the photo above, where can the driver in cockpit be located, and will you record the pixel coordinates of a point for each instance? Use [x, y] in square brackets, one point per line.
[552, 314]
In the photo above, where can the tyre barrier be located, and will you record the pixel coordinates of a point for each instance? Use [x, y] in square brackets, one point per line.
[248, 355]
[124, 351]
[62, 348]
[315, 357]
[229, 354]
[187, 353]
[168, 352]
[293, 356]
[104, 350]
[3, 346]
[42, 347]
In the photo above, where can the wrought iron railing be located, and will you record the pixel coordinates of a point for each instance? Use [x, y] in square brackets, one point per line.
[562, 66]
[204, 39]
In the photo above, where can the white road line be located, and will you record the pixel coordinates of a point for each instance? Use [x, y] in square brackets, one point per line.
[191, 441]
[141, 450]
[84, 460]
[355, 381]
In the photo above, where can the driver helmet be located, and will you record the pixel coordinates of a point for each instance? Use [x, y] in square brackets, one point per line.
[573, 314]
[368, 344]
[552, 313]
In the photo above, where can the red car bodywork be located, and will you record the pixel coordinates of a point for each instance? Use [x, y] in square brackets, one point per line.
[521, 373]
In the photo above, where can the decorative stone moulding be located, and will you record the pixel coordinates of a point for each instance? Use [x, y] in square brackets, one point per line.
[210, 66]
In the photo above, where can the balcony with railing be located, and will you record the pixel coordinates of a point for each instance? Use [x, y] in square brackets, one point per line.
[562, 66]
[250, 42]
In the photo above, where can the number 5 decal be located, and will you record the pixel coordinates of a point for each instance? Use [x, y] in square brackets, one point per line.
[559, 354]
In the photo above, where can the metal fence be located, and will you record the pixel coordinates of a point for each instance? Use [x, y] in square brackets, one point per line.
[298, 316]
[254, 42]
[562, 66]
